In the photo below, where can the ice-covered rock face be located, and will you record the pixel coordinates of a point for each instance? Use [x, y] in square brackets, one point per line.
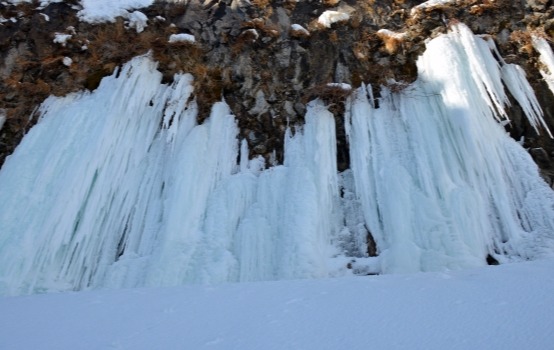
[118, 202]
[122, 187]
[292, 57]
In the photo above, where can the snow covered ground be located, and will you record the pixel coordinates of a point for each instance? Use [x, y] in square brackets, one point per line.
[502, 307]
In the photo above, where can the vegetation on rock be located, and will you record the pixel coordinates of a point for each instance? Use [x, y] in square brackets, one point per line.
[256, 57]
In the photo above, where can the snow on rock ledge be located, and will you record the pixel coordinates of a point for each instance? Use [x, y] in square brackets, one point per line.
[328, 17]
[176, 38]
[299, 30]
[137, 20]
[430, 4]
[67, 61]
[61, 38]
[107, 10]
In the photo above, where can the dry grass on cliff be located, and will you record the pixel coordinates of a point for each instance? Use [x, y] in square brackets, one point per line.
[96, 51]
[264, 6]
[523, 40]
[330, 94]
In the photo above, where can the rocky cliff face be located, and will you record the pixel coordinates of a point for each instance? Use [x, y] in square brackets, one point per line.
[266, 58]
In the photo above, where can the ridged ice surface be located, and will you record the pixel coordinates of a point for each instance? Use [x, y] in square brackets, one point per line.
[442, 184]
[122, 188]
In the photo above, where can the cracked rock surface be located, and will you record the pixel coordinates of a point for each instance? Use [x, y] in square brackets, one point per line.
[266, 58]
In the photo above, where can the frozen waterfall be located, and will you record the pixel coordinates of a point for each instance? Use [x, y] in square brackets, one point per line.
[121, 188]
[441, 183]
[118, 201]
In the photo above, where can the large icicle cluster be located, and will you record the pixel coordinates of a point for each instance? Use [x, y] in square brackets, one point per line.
[442, 184]
[122, 188]
[98, 195]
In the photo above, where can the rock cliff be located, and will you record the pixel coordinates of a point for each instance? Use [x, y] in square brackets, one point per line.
[266, 58]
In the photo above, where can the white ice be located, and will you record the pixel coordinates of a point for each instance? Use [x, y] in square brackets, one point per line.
[127, 203]
[547, 58]
[441, 183]
[121, 188]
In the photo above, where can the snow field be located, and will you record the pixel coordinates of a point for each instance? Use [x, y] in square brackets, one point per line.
[504, 307]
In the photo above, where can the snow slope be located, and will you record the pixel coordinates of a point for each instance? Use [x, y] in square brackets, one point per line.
[504, 307]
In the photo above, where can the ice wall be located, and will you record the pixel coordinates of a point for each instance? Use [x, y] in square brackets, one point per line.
[441, 183]
[121, 188]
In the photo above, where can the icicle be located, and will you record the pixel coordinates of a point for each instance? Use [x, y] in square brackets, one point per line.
[122, 188]
[547, 58]
[75, 179]
[482, 66]
[514, 77]
[516, 82]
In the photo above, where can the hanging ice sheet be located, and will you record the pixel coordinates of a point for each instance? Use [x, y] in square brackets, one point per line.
[441, 183]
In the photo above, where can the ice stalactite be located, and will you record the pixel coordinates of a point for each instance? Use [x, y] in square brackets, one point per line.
[441, 183]
[546, 58]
